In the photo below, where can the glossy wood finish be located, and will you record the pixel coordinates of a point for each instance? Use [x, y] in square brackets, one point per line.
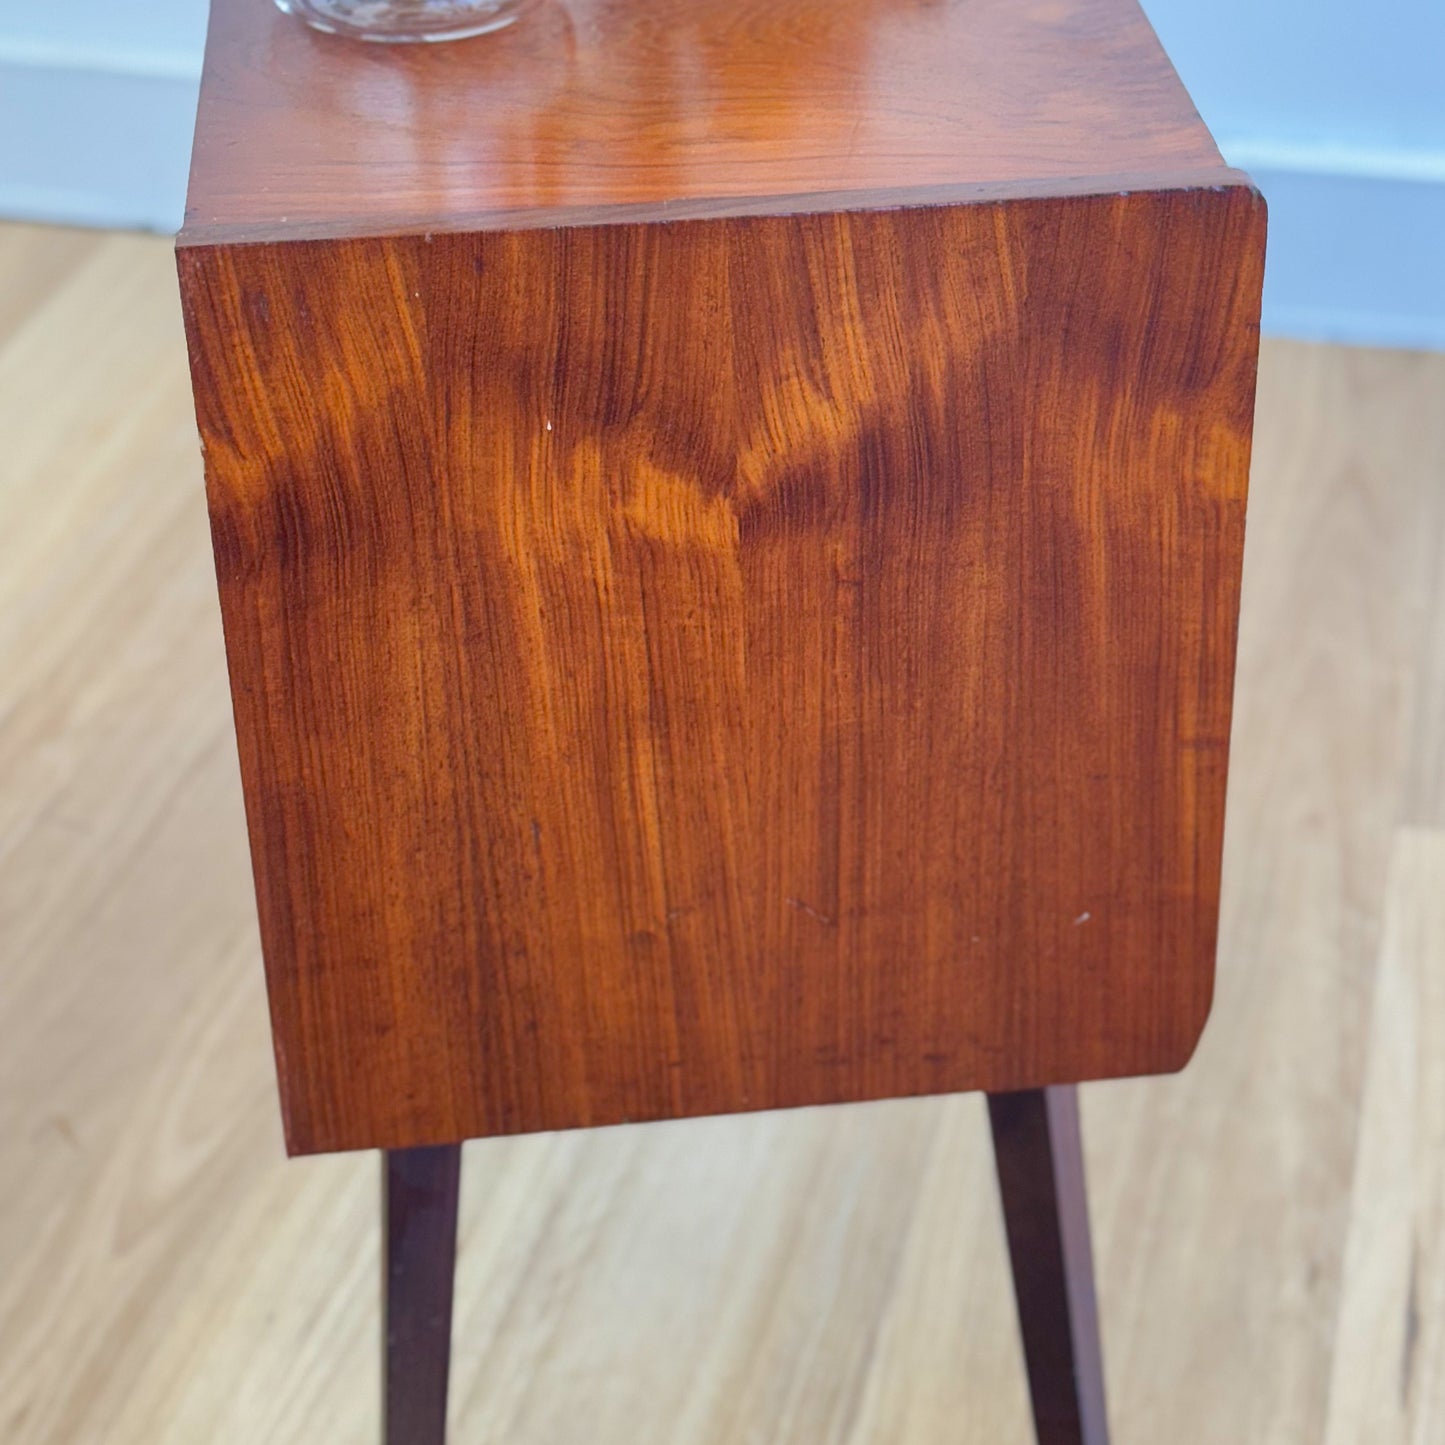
[420, 1189]
[1039, 1155]
[602, 103]
[728, 521]
[768, 661]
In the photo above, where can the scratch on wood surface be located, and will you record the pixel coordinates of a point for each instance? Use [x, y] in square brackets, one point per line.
[810, 911]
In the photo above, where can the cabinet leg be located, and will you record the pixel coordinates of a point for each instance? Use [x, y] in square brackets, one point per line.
[419, 1200]
[1039, 1154]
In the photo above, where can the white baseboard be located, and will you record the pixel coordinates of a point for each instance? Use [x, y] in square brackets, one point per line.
[1356, 239]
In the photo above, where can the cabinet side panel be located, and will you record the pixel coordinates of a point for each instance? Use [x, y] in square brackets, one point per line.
[731, 664]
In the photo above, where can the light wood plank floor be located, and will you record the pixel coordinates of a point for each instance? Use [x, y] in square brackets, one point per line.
[1269, 1224]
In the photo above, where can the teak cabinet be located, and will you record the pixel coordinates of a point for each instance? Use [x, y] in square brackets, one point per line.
[728, 519]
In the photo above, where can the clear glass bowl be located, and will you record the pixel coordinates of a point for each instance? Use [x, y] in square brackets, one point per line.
[406, 19]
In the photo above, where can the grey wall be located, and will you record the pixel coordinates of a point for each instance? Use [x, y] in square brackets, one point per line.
[97, 99]
[1337, 109]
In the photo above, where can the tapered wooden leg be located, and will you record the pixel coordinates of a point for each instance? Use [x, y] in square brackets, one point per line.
[420, 1205]
[1039, 1154]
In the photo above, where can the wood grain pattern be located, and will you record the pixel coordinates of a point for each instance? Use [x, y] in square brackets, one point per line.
[768, 661]
[600, 103]
[831, 1276]
[1392, 1290]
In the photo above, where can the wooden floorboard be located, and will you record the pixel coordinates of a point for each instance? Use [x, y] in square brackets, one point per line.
[1388, 1387]
[1268, 1223]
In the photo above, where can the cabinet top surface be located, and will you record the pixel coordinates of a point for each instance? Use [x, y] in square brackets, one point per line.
[583, 106]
